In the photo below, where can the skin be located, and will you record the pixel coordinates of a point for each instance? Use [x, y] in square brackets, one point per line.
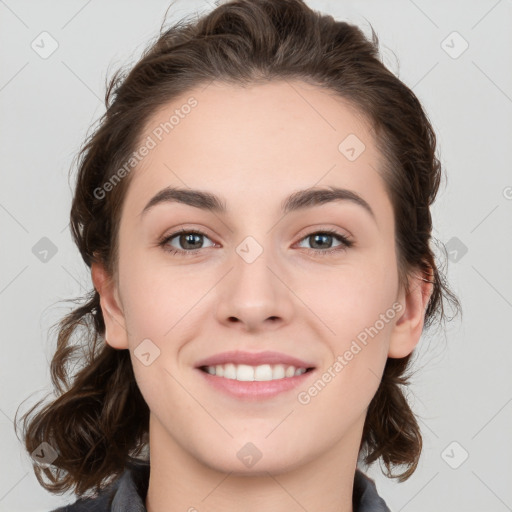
[255, 146]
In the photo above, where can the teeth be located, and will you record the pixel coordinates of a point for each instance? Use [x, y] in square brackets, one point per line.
[290, 371]
[246, 373]
[228, 371]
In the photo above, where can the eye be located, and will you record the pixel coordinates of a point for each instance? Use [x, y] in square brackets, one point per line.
[189, 240]
[324, 237]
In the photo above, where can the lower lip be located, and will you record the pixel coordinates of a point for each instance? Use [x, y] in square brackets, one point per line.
[255, 390]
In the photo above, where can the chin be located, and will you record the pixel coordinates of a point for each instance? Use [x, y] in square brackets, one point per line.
[252, 458]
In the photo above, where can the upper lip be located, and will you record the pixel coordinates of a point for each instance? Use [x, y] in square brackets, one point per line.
[254, 359]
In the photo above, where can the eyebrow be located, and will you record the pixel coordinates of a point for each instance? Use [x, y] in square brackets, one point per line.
[296, 201]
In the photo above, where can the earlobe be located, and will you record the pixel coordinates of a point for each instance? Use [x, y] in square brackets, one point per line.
[113, 315]
[407, 331]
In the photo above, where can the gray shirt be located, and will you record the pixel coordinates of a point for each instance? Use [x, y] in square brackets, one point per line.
[128, 494]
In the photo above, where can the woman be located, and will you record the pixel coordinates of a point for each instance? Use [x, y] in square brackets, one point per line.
[254, 209]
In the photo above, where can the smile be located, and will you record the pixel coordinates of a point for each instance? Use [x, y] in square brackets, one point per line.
[247, 373]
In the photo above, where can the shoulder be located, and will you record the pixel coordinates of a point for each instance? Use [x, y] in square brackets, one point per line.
[100, 503]
[366, 497]
[126, 493]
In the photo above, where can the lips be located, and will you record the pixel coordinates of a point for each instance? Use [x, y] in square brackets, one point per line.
[254, 359]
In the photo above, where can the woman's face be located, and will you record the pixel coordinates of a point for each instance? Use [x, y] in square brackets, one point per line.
[258, 278]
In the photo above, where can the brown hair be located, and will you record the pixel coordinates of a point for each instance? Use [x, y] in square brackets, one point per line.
[100, 420]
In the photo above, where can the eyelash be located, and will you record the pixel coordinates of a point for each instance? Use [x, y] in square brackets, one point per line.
[346, 243]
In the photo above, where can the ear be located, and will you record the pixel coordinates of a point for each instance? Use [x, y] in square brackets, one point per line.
[113, 316]
[408, 328]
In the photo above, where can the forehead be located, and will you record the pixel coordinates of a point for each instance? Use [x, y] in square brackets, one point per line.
[257, 142]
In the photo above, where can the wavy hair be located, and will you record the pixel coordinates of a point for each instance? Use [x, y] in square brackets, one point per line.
[99, 419]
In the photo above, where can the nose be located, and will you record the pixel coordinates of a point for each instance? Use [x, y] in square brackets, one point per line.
[255, 293]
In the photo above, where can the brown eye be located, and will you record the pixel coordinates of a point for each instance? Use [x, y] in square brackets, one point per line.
[189, 242]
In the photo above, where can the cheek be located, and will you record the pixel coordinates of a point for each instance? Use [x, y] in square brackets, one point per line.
[351, 300]
[148, 298]
[159, 299]
[358, 309]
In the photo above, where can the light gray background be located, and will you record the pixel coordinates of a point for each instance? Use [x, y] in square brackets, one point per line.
[463, 392]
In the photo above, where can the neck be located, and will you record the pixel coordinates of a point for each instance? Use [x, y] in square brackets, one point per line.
[181, 482]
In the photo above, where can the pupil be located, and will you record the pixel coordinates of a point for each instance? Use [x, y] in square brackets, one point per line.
[189, 239]
[315, 237]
